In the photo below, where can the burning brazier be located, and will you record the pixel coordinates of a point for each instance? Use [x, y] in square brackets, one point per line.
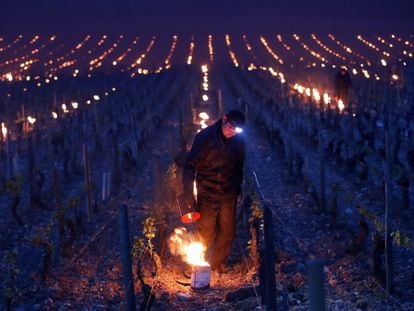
[200, 269]
[200, 277]
[181, 243]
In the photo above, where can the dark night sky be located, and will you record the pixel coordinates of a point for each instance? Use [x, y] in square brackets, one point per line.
[195, 16]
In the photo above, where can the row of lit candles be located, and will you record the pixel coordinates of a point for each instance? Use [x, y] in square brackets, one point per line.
[348, 49]
[64, 107]
[191, 51]
[231, 53]
[71, 63]
[270, 51]
[210, 48]
[252, 65]
[316, 95]
[50, 77]
[392, 46]
[203, 115]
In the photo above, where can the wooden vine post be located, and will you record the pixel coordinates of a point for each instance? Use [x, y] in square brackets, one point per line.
[116, 169]
[8, 156]
[322, 177]
[126, 258]
[220, 103]
[158, 176]
[60, 213]
[106, 185]
[31, 163]
[389, 262]
[269, 260]
[267, 274]
[316, 285]
[88, 183]
[135, 131]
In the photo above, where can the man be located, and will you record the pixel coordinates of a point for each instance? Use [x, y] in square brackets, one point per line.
[342, 85]
[215, 162]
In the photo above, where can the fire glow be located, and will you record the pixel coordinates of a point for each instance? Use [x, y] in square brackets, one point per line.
[3, 130]
[192, 252]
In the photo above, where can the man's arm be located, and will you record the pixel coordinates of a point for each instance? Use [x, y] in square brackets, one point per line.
[239, 167]
[192, 163]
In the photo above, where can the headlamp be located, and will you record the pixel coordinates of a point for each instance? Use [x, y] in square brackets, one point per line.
[238, 130]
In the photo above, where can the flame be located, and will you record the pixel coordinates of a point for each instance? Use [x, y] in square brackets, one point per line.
[192, 252]
[64, 108]
[195, 190]
[204, 115]
[4, 130]
[326, 98]
[195, 254]
[316, 94]
[31, 120]
[341, 105]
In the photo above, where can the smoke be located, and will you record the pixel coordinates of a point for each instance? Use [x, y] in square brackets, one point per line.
[178, 240]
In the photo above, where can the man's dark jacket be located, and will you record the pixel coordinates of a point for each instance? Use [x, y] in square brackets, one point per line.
[216, 163]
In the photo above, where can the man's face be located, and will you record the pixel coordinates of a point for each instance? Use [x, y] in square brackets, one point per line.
[228, 128]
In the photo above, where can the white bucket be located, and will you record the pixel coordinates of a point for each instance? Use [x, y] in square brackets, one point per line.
[200, 277]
